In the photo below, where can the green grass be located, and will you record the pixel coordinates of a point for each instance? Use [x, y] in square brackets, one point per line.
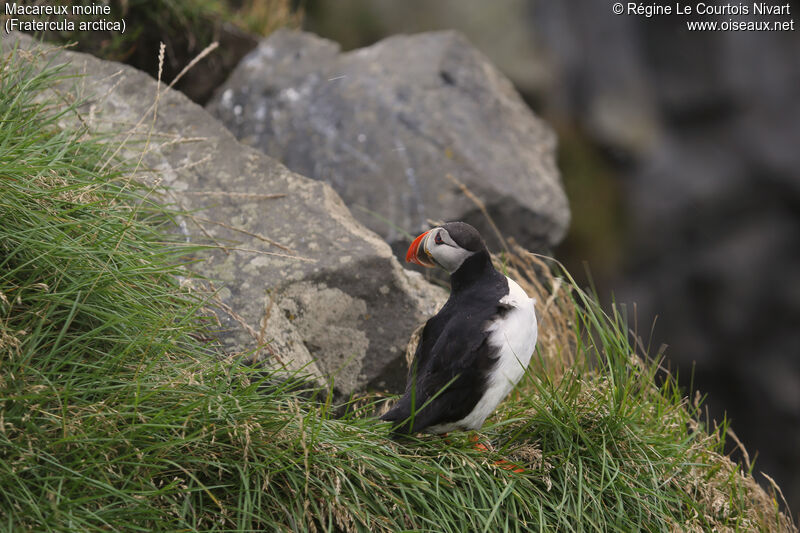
[115, 414]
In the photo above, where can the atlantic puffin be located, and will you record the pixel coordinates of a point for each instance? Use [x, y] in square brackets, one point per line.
[475, 349]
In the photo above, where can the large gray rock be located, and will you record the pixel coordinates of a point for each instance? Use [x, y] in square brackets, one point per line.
[292, 266]
[386, 125]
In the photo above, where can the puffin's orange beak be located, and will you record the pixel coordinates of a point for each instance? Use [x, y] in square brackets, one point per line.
[414, 256]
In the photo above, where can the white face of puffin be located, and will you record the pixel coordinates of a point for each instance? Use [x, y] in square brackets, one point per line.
[436, 248]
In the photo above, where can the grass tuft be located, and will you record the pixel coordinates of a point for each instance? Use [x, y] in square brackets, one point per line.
[114, 414]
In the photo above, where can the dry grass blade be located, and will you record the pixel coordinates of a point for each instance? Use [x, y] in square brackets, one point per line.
[207, 50]
[250, 233]
[741, 447]
[253, 196]
[481, 205]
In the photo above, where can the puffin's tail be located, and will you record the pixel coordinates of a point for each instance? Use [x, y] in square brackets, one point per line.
[402, 424]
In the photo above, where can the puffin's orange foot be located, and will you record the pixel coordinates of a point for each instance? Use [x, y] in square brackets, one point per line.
[511, 467]
[477, 445]
[502, 463]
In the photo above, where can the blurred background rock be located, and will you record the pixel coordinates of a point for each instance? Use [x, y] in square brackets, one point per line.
[680, 152]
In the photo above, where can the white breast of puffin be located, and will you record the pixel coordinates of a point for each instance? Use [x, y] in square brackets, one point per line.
[514, 337]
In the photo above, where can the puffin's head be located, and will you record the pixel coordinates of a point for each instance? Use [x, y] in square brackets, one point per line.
[447, 246]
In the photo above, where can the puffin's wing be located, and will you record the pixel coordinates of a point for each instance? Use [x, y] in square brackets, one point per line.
[446, 378]
[401, 410]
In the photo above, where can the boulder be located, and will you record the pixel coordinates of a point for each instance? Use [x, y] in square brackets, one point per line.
[297, 275]
[388, 126]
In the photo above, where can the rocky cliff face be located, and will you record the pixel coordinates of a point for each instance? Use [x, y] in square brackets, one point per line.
[713, 199]
[716, 228]
[386, 126]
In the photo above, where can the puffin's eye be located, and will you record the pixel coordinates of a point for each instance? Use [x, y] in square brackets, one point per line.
[438, 238]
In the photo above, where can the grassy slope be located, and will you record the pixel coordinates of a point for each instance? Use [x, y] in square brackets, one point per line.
[113, 415]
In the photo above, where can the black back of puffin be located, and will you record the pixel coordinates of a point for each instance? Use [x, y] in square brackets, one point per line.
[453, 358]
